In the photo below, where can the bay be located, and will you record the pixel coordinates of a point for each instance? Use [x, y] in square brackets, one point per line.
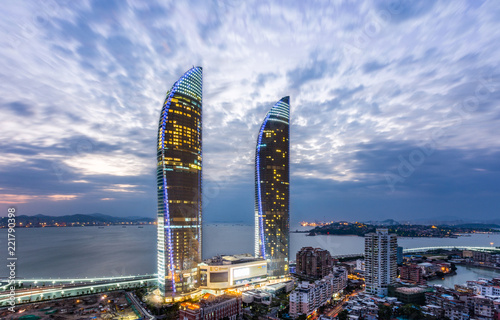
[465, 273]
[113, 251]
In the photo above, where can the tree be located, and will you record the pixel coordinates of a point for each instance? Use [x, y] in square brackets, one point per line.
[321, 309]
[410, 311]
[343, 315]
[384, 312]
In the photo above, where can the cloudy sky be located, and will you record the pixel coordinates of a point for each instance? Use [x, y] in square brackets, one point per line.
[394, 104]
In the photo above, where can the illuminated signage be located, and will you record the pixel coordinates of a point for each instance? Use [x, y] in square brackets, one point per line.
[241, 272]
[218, 268]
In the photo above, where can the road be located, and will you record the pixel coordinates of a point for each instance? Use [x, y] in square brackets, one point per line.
[335, 311]
[140, 307]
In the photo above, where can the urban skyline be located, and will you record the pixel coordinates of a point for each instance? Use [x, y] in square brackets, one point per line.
[179, 183]
[395, 106]
[394, 122]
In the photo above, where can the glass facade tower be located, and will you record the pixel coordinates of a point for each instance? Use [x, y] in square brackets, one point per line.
[272, 190]
[179, 162]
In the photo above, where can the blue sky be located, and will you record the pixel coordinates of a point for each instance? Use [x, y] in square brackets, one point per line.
[394, 104]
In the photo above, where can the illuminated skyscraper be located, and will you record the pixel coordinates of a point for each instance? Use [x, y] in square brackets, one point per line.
[179, 160]
[272, 189]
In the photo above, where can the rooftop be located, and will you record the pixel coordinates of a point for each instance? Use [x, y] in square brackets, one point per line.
[231, 259]
[207, 300]
[410, 290]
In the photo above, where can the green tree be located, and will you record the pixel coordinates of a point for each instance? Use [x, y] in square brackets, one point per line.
[384, 312]
[343, 315]
[321, 309]
[410, 311]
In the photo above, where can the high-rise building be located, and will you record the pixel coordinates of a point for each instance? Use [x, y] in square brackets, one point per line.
[272, 189]
[179, 162]
[380, 261]
[314, 262]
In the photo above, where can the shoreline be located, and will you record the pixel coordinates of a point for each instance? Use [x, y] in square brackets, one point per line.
[79, 226]
[362, 236]
[478, 266]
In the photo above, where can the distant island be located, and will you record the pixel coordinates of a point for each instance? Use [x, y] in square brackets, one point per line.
[403, 230]
[75, 220]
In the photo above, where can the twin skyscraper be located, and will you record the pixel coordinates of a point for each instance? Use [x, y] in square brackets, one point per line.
[179, 181]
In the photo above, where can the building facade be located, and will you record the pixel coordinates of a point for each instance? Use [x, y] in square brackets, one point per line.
[380, 261]
[484, 308]
[212, 307]
[313, 262]
[413, 274]
[307, 297]
[232, 272]
[400, 255]
[446, 303]
[272, 190]
[179, 163]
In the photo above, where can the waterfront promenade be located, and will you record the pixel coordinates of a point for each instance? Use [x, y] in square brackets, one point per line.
[33, 290]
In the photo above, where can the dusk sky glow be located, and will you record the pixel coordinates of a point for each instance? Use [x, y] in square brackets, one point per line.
[395, 105]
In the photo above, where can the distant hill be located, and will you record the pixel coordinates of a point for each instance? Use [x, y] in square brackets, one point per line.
[403, 230]
[446, 220]
[97, 219]
[479, 225]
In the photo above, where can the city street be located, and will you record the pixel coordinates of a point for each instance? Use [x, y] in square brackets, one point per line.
[336, 310]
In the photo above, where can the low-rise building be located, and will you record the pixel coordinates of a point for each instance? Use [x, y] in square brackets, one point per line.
[360, 265]
[449, 303]
[212, 307]
[279, 288]
[413, 274]
[480, 256]
[413, 295]
[484, 308]
[257, 296]
[366, 306]
[232, 271]
[485, 287]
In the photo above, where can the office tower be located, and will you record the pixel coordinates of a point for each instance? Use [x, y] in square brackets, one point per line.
[179, 160]
[314, 262]
[380, 261]
[272, 189]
